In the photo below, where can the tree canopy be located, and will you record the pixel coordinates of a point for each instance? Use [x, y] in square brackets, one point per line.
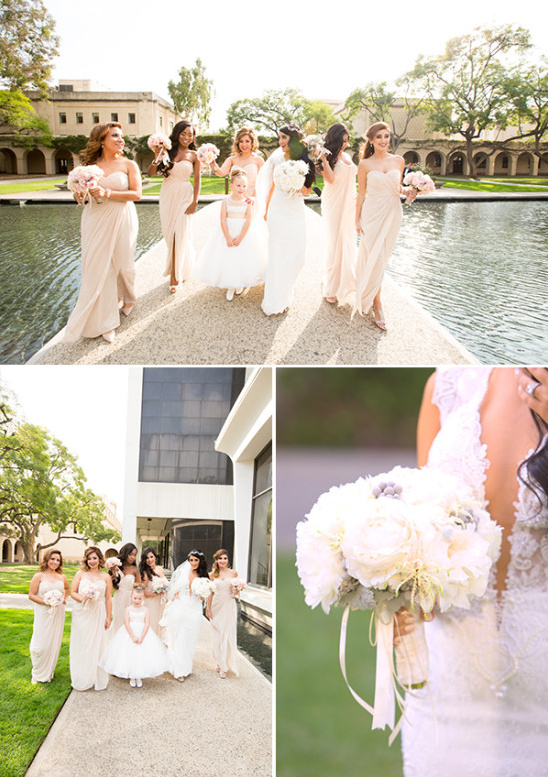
[278, 107]
[18, 115]
[41, 484]
[192, 93]
[28, 44]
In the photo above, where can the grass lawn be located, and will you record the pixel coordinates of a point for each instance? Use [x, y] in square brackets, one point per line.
[16, 579]
[27, 711]
[320, 729]
[210, 185]
[29, 186]
[496, 185]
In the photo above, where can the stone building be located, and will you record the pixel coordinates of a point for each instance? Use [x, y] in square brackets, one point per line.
[73, 108]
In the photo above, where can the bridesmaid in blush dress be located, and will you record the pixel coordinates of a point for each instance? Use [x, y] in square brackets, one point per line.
[178, 200]
[148, 569]
[91, 617]
[47, 631]
[222, 612]
[124, 578]
[338, 207]
[109, 236]
[378, 217]
[244, 156]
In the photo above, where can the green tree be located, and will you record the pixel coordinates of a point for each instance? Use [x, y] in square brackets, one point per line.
[271, 111]
[18, 115]
[42, 484]
[192, 93]
[28, 44]
[465, 88]
[320, 117]
[527, 91]
[379, 103]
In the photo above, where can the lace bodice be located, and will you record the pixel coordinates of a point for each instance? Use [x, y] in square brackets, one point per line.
[457, 449]
[235, 210]
[137, 614]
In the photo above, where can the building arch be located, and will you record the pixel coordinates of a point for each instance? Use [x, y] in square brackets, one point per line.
[36, 162]
[18, 555]
[8, 162]
[482, 163]
[144, 160]
[434, 161]
[525, 164]
[7, 552]
[543, 164]
[63, 161]
[502, 164]
[457, 163]
[411, 158]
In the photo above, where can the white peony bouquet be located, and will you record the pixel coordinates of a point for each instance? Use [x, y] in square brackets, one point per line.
[406, 538]
[202, 587]
[159, 584]
[289, 176]
[207, 153]
[83, 178]
[90, 595]
[53, 599]
[113, 562]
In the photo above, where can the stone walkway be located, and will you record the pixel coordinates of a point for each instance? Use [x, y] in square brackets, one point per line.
[198, 326]
[204, 727]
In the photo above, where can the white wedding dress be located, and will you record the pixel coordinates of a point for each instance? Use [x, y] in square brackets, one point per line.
[484, 712]
[183, 620]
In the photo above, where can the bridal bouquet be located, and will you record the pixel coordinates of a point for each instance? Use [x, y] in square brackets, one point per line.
[408, 538]
[91, 594]
[113, 562]
[315, 146]
[420, 182]
[237, 585]
[207, 153]
[290, 176]
[202, 587]
[53, 599]
[159, 141]
[159, 585]
[83, 178]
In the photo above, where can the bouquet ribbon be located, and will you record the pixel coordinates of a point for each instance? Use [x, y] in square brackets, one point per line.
[386, 690]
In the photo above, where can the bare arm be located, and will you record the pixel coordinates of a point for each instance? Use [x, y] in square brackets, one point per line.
[224, 169]
[33, 590]
[429, 423]
[147, 624]
[224, 225]
[362, 190]
[127, 625]
[327, 172]
[197, 182]
[108, 601]
[247, 224]
[270, 193]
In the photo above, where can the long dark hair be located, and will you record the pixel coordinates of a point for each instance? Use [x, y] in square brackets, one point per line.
[202, 566]
[533, 472]
[298, 150]
[122, 554]
[144, 569]
[334, 141]
[181, 126]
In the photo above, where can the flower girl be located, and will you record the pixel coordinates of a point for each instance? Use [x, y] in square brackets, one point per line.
[234, 257]
[135, 650]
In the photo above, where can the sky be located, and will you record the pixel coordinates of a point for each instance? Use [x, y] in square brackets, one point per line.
[324, 49]
[84, 407]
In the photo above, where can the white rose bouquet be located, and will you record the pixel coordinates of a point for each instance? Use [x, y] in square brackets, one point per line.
[159, 585]
[407, 538]
[90, 595]
[289, 176]
[202, 587]
[237, 585]
[315, 145]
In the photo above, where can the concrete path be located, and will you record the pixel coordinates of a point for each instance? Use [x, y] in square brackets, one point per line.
[198, 326]
[204, 727]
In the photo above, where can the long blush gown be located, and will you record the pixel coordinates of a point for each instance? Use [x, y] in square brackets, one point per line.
[47, 633]
[380, 220]
[120, 600]
[109, 236]
[88, 640]
[155, 606]
[286, 243]
[184, 617]
[338, 211]
[484, 712]
[175, 196]
[224, 613]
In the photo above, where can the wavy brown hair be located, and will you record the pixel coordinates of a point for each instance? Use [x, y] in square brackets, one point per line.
[333, 142]
[242, 133]
[47, 555]
[368, 149]
[215, 571]
[87, 553]
[92, 151]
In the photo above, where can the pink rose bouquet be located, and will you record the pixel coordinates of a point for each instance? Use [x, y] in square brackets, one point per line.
[420, 182]
[53, 599]
[207, 154]
[83, 178]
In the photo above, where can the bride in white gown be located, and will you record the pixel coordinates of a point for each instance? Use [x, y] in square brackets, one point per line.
[183, 616]
[484, 712]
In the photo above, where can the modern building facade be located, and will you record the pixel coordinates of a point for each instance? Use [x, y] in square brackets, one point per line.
[199, 470]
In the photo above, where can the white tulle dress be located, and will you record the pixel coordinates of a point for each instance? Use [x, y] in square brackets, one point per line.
[484, 712]
[47, 633]
[183, 619]
[125, 658]
[238, 266]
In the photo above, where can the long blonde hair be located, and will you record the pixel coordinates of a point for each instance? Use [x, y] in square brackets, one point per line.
[368, 148]
[215, 571]
[93, 151]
